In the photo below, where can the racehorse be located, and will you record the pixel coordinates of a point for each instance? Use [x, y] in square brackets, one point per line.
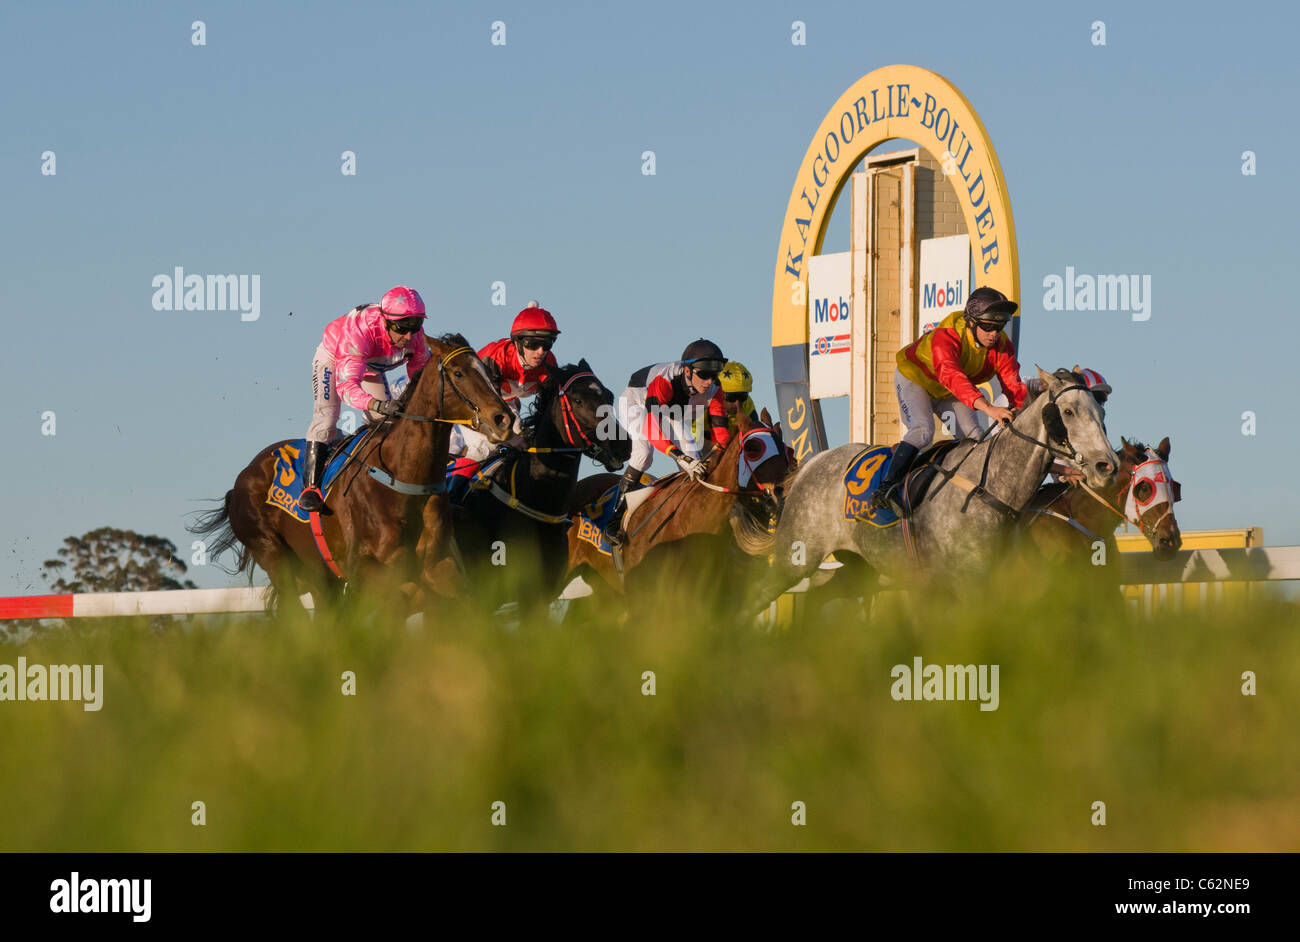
[377, 503]
[687, 535]
[978, 488]
[1063, 522]
[517, 504]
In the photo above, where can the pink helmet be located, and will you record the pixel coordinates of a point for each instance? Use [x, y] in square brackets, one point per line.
[401, 302]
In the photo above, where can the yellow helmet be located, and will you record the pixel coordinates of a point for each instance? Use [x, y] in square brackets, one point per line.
[734, 378]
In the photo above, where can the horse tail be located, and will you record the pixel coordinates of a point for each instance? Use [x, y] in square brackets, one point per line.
[216, 523]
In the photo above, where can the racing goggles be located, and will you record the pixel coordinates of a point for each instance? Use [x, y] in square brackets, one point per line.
[707, 368]
[408, 326]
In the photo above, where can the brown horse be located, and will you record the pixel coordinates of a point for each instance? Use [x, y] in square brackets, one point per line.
[687, 535]
[378, 504]
[1063, 522]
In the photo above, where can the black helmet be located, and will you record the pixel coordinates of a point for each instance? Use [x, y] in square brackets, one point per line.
[704, 355]
[989, 304]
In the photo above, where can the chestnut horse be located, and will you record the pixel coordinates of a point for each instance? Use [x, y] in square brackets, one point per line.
[376, 510]
[1063, 522]
[691, 536]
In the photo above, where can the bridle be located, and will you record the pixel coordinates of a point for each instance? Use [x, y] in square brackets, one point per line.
[445, 380]
[681, 478]
[1131, 513]
[1056, 431]
[386, 478]
[1054, 425]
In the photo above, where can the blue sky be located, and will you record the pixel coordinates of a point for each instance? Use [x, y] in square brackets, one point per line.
[479, 163]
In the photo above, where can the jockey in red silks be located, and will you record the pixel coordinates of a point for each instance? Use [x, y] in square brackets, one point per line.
[361, 346]
[939, 372]
[525, 361]
[656, 407]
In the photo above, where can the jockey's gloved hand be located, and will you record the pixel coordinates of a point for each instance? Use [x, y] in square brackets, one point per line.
[694, 467]
[384, 406]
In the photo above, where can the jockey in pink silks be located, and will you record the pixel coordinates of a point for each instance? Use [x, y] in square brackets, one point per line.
[360, 347]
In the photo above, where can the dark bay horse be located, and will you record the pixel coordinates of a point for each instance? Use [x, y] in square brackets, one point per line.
[1062, 522]
[377, 506]
[511, 525]
[692, 538]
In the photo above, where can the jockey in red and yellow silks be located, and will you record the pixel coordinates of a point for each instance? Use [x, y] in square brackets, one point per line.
[940, 371]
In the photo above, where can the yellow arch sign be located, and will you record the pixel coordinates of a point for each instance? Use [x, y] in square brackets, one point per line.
[898, 101]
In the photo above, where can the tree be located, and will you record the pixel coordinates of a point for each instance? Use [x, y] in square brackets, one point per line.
[111, 560]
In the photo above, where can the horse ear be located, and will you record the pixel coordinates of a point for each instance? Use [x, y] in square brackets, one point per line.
[1047, 379]
[743, 424]
[1163, 449]
[584, 365]
[765, 417]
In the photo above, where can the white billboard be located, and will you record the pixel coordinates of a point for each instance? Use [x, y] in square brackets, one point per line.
[944, 281]
[830, 291]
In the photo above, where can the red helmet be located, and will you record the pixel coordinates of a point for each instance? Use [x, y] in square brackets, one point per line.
[534, 321]
[1095, 382]
[402, 302]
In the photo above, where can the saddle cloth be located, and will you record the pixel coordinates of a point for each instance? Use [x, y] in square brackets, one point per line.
[597, 517]
[291, 471]
[866, 470]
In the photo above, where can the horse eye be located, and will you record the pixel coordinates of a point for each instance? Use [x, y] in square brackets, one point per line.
[459, 374]
[1068, 411]
[1143, 491]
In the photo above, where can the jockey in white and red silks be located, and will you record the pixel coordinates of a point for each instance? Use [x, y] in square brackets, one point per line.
[360, 348]
[656, 411]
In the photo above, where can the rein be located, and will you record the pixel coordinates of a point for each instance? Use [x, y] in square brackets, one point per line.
[445, 380]
[386, 478]
[1147, 531]
[980, 489]
[510, 498]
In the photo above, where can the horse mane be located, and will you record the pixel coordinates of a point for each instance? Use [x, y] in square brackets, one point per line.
[546, 393]
[449, 342]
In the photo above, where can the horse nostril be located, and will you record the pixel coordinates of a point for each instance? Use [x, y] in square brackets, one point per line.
[501, 419]
[1105, 467]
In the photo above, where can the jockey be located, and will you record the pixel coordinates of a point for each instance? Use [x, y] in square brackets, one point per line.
[939, 372]
[653, 411]
[736, 385]
[525, 361]
[361, 346]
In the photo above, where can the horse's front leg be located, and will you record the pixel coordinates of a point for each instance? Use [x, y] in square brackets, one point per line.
[441, 571]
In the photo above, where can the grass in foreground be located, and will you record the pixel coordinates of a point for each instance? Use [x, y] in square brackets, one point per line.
[247, 716]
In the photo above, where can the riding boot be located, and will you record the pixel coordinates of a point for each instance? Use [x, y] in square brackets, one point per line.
[899, 462]
[614, 531]
[311, 500]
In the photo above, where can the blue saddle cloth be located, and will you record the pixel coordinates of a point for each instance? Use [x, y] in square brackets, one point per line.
[291, 471]
[595, 519]
[860, 480]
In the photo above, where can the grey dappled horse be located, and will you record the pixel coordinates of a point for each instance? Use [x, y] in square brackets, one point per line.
[955, 529]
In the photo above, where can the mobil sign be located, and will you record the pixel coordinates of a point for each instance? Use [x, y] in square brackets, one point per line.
[829, 291]
[944, 280]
